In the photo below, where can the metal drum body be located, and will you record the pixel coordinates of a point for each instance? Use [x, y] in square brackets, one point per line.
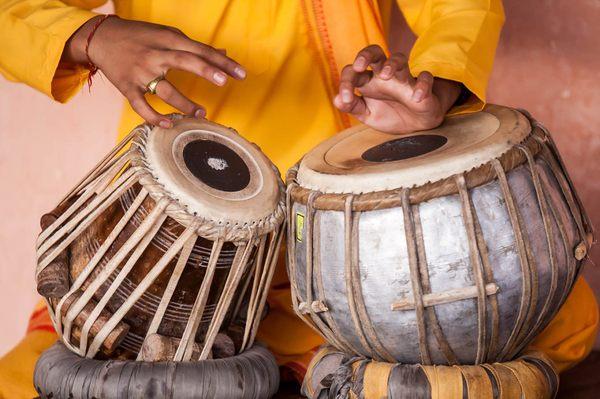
[463, 278]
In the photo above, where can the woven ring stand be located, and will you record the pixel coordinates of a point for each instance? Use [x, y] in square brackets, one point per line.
[334, 374]
[60, 373]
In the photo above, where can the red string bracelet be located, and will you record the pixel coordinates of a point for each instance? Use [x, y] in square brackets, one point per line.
[91, 66]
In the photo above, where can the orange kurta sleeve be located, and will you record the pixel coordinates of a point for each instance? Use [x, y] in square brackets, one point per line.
[456, 40]
[33, 34]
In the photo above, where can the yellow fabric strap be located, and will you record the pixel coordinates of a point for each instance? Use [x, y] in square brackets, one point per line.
[355, 366]
[541, 356]
[445, 382]
[376, 379]
[532, 380]
[478, 382]
[508, 385]
[321, 353]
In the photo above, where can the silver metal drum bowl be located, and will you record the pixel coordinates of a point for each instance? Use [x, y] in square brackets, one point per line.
[462, 278]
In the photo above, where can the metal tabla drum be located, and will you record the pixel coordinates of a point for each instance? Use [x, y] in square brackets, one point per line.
[455, 245]
[164, 253]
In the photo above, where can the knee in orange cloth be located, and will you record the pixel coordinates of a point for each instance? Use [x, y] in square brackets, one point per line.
[569, 337]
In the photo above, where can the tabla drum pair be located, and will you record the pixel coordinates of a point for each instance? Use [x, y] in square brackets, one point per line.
[163, 254]
[453, 246]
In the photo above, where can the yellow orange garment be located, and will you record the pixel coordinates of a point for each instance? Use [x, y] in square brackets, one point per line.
[293, 52]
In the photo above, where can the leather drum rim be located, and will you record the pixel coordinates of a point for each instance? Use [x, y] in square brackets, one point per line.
[160, 155]
[508, 154]
[60, 373]
[338, 165]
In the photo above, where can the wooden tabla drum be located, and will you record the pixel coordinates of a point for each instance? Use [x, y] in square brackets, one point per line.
[167, 246]
[455, 245]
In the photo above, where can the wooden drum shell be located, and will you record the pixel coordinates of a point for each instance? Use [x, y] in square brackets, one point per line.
[138, 318]
[143, 262]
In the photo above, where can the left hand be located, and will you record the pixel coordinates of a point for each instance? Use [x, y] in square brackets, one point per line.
[390, 99]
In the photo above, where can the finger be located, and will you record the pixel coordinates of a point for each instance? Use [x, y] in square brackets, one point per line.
[357, 107]
[211, 55]
[395, 66]
[192, 63]
[349, 80]
[372, 56]
[142, 108]
[423, 87]
[172, 96]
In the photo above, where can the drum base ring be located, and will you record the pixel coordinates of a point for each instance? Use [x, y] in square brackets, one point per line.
[60, 373]
[332, 373]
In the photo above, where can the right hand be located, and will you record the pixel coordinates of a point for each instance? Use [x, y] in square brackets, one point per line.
[133, 53]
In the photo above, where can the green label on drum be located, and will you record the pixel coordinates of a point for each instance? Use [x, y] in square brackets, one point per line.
[299, 226]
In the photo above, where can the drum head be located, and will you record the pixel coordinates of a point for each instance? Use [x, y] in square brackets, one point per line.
[361, 159]
[213, 172]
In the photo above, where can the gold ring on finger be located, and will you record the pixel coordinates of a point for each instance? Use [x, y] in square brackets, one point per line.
[151, 87]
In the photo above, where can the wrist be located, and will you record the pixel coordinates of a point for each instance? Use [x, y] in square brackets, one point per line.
[74, 51]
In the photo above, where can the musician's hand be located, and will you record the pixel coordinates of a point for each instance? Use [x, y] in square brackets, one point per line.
[133, 53]
[390, 99]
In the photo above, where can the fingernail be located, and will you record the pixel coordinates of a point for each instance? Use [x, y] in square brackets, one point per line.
[417, 95]
[386, 72]
[361, 63]
[337, 101]
[346, 96]
[200, 113]
[240, 72]
[165, 124]
[219, 78]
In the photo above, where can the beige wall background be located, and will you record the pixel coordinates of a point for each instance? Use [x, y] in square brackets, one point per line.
[547, 63]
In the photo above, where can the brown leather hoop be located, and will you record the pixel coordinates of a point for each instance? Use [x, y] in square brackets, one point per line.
[393, 198]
